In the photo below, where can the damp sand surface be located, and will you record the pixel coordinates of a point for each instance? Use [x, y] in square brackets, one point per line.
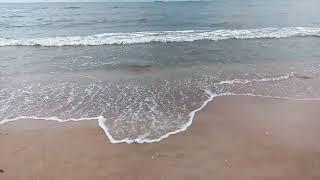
[233, 137]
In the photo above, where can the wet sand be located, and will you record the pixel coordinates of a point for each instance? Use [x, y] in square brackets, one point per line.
[233, 138]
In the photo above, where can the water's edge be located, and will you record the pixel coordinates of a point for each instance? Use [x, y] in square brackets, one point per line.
[102, 120]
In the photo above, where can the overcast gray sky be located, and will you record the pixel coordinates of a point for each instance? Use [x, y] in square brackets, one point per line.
[8, 1]
[14, 1]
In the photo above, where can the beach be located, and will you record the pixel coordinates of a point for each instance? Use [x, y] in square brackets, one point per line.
[144, 75]
[177, 90]
[233, 137]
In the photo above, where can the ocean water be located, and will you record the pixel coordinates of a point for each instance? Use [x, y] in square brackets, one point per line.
[144, 70]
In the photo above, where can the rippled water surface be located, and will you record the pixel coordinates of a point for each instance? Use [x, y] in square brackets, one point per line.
[144, 69]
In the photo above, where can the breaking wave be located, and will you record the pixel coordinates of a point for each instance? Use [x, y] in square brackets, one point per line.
[163, 36]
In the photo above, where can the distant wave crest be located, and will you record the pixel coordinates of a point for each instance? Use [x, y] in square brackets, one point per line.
[163, 36]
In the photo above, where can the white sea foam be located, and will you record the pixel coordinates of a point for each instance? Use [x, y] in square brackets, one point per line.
[102, 123]
[46, 118]
[246, 81]
[163, 36]
[191, 115]
[143, 138]
[102, 120]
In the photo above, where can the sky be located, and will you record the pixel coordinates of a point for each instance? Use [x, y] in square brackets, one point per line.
[26, 1]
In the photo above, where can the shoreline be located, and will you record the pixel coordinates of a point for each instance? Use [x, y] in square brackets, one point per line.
[263, 138]
[101, 120]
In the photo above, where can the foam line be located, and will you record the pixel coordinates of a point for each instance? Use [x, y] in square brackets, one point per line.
[246, 81]
[191, 115]
[163, 36]
[102, 120]
[274, 97]
[46, 118]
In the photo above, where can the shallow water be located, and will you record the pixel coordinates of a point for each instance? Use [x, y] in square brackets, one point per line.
[142, 69]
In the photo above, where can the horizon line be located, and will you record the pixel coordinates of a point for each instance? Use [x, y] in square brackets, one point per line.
[111, 1]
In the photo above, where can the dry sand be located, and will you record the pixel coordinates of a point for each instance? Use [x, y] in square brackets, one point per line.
[233, 138]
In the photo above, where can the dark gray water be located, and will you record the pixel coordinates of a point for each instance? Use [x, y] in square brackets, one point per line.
[66, 19]
[147, 67]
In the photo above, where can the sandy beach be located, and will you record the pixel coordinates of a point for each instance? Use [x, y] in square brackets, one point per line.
[232, 138]
[150, 90]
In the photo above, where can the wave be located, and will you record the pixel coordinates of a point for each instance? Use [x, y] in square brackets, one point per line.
[141, 140]
[102, 120]
[164, 36]
[102, 124]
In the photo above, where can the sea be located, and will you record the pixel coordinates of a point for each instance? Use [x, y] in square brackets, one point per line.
[144, 70]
